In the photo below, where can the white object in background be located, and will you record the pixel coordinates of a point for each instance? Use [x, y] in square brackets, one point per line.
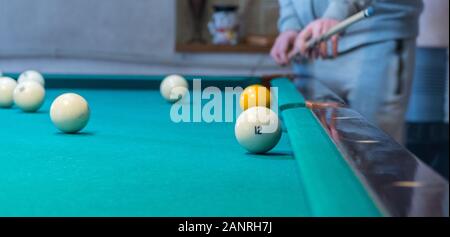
[224, 25]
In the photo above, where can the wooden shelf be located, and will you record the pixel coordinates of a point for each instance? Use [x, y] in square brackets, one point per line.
[210, 48]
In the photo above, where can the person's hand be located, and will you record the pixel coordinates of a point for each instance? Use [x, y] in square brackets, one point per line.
[283, 43]
[315, 30]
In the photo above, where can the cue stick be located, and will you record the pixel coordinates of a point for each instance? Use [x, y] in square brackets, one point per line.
[339, 28]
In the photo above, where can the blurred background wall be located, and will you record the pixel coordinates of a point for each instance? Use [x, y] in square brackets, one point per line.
[134, 29]
[138, 31]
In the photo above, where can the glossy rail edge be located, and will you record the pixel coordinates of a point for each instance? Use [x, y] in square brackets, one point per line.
[400, 181]
[332, 186]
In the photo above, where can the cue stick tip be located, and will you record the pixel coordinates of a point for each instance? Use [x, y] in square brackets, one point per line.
[370, 11]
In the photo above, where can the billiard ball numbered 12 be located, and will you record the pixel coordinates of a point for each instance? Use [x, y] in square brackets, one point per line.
[255, 95]
[258, 129]
[7, 86]
[31, 75]
[29, 96]
[173, 88]
[70, 112]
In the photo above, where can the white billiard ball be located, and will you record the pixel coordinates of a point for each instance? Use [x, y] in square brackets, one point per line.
[173, 88]
[70, 112]
[29, 96]
[7, 86]
[258, 129]
[31, 75]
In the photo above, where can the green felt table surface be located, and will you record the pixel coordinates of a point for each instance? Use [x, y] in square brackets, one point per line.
[132, 160]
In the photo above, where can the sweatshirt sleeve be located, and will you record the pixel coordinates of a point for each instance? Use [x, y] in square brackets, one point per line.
[342, 9]
[288, 17]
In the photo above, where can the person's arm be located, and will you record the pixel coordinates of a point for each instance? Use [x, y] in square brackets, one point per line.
[342, 9]
[288, 20]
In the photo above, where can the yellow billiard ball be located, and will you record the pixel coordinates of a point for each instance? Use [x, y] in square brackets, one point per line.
[255, 95]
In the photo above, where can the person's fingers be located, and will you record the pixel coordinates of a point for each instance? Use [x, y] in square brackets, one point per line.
[277, 51]
[307, 49]
[334, 42]
[303, 38]
[284, 58]
[274, 54]
[295, 48]
[283, 51]
[323, 49]
[277, 58]
[317, 33]
[282, 46]
[280, 59]
[291, 54]
[310, 54]
[324, 45]
[317, 30]
[317, 52]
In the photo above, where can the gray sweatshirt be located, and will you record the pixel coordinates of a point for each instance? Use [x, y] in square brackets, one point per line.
[393, 19]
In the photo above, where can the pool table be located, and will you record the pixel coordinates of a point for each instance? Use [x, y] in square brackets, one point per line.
[133, 161]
